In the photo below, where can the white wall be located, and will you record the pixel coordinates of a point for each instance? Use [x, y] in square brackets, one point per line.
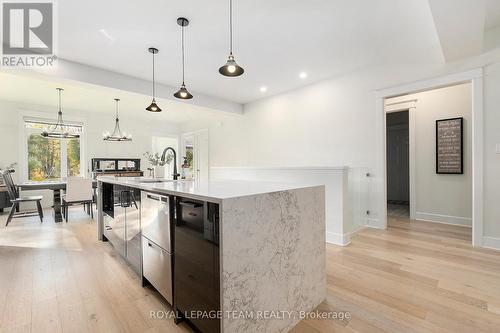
[96, 123]
[334, 122]
[440, 197]
[329, 123]
[491, 158]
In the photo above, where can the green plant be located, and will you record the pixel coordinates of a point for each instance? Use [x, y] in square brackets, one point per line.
[155, 159]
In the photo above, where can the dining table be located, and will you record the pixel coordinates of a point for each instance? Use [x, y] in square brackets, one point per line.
[56, 186]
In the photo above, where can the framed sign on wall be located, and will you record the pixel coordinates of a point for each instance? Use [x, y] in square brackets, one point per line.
[449, 146]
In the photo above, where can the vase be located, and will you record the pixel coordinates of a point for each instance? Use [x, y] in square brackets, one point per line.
[159, 172]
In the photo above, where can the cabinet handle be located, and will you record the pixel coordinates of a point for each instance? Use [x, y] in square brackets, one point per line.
[153, 197]
[190, 204]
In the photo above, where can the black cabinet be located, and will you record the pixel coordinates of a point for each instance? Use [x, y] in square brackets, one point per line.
[196, 263]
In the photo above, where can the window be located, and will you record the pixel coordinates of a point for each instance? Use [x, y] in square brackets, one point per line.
[52, 158]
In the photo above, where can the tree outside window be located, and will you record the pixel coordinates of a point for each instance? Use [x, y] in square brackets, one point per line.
[51, 159]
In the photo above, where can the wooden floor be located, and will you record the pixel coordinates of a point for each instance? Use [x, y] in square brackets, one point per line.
[414, 277]
[398, 210]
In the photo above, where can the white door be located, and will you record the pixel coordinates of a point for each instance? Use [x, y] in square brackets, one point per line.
[195, 149]
[201, 154]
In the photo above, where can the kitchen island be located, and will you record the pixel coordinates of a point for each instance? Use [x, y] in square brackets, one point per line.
[238, 256]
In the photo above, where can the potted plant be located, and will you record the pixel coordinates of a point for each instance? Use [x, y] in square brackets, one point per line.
[157, 163]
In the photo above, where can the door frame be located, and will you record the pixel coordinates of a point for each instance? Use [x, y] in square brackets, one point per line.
[475, 77]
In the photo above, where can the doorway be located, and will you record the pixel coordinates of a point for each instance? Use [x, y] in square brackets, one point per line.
[194, 154]
[475, 80]
[398, 164]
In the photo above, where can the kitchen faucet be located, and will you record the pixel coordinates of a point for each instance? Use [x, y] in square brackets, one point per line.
[175, 174]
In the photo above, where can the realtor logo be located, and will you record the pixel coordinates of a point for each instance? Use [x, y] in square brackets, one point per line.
[27, 34]
[27, 28]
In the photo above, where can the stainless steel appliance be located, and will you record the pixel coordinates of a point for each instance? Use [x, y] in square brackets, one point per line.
[156, 243]
[131, 201]
[121, 222]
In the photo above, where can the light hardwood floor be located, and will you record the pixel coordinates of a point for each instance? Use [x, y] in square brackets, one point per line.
[413, 277]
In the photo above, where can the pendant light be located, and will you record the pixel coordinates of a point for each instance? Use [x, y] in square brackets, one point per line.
[59, 130]
[117, 132]
[183, 93]
[231, 68]
[153, 107]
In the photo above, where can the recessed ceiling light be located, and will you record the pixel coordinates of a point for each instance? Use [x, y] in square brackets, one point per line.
[263, 89]
[303, 75]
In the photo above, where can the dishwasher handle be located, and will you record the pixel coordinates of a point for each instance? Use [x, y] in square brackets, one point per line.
[190, 204]
[153, 197]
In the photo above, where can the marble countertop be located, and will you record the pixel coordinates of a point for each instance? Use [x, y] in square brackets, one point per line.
[213, 191]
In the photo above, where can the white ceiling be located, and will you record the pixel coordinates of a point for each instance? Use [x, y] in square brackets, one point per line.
[274, 40]
[93, 99]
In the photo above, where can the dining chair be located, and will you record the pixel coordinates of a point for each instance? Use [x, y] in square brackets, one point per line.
[78, 191]
[15, 199]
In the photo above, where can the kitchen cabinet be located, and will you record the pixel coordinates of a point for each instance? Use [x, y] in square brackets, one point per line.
[196, 268]
[132, 197]
[157, 254]
[194, 256]
[114, 220]
[121, 222]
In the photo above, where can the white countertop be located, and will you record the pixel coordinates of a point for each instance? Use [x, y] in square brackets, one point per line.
[214, 191]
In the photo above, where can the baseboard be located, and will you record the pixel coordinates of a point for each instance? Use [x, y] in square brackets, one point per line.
[445, 219]
[491, 243]
[336, 239]
[341, 239]
[373, 223]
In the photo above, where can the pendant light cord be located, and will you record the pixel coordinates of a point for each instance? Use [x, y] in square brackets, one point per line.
[116, 109]
[117, 132]
[60, 109]
[231, 27]
[182, 28]
[59, 114]
[153, 75]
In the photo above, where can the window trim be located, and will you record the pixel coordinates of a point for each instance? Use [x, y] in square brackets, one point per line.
[26, 115]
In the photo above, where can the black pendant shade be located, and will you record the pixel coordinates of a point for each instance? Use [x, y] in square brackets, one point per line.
[153, 107]
[59, 130]
[183, 93]
[231, 68]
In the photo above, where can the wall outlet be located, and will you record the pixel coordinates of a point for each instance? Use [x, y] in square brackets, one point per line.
[497, 148]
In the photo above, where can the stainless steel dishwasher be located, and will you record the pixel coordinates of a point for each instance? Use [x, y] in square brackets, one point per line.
[156, 242]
